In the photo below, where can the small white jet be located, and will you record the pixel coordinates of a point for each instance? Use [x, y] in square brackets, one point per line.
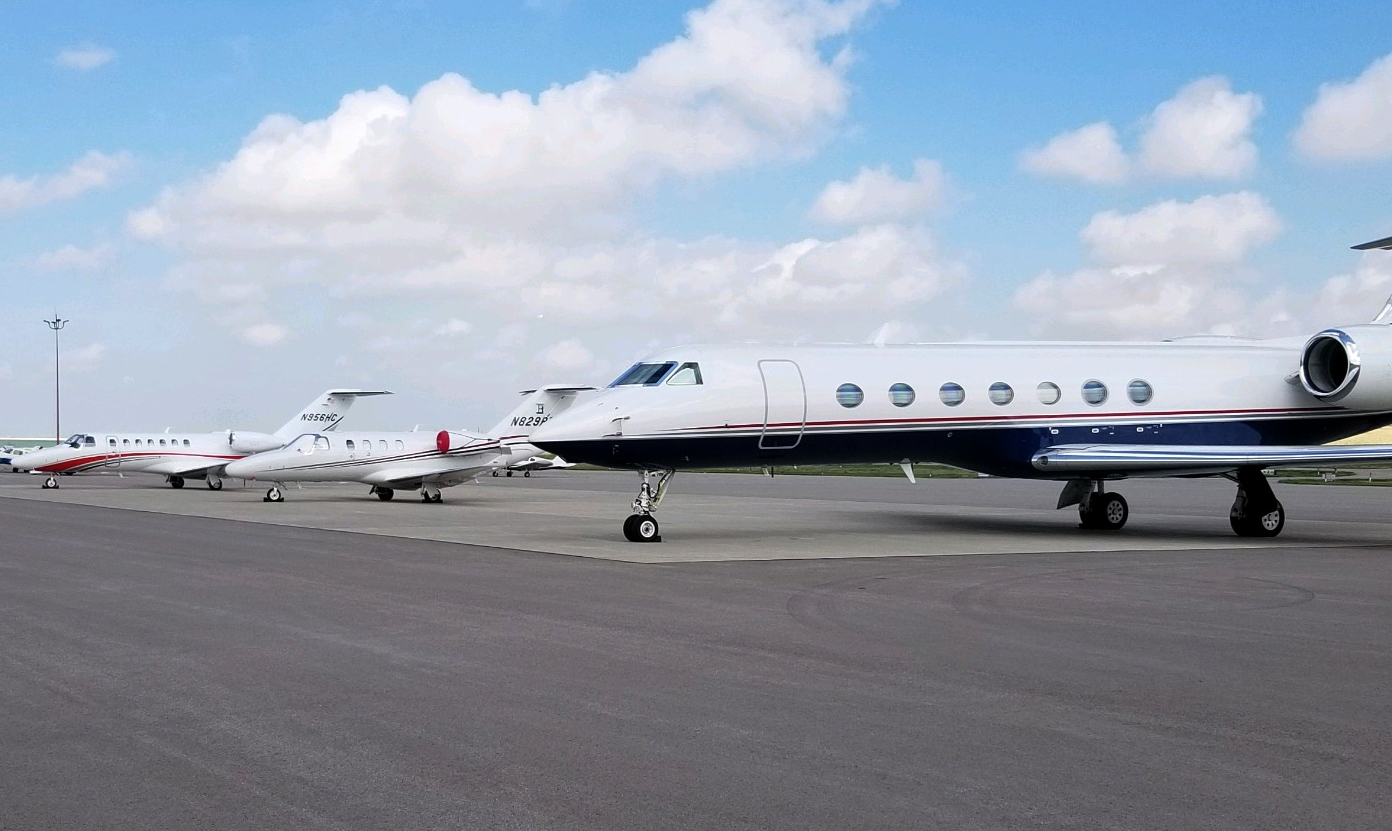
[534, 462]
[180, 456]
[1083, 413]
[417, 460]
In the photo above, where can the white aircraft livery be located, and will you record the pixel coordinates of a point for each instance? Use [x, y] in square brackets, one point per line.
[424, 461]
[1083, 413]
[180, 456]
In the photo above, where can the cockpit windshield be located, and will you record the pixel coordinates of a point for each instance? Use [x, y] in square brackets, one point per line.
[80, 439]
[644, 375]
[308, 443]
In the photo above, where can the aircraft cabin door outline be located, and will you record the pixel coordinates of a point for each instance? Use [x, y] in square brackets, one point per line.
[785, 403]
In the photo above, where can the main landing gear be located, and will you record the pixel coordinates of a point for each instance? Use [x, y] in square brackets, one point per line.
[1103, 511]
[431, 495]
[214, 483]
[176, 482]
[384, 494]
[641, 526]
[50, 483]
[1256, 512]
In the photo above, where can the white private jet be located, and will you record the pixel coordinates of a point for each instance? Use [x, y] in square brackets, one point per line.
[534, 462]
[1082, 413]
[423, 461]
[180, 456]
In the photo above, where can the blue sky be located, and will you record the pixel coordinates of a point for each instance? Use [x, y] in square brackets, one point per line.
[676, 184]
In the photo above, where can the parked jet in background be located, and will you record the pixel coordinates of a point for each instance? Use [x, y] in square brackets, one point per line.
[534, 462]
[1082, 413]
[180, 456]
[417, 460]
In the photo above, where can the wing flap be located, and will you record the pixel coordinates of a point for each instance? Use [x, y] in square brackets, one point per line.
[1151, 458]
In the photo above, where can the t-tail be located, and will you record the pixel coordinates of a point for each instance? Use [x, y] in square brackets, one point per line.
[538, 407]
[323, 413]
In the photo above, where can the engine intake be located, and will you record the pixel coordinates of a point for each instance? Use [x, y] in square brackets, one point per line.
[1351, 366]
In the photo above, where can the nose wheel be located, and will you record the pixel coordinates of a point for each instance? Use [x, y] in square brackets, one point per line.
[274, 494]
[50, 483]
[641, 528]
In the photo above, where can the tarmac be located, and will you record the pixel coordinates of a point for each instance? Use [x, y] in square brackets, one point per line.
[794, 655]
[721, 517]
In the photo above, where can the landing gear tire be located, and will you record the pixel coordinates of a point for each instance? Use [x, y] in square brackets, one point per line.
[1265, 524]
[1104, 512]
[642, 528]
[527, 474]
[384, 494]
[509, 473]
[214, 484]
[176, 482]
[50, 483]
[495, 473]
[432, 497]
[274, 495]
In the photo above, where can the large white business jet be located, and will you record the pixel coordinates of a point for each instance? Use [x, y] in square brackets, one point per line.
[180, 456]
[424, 461]
[1083, 413]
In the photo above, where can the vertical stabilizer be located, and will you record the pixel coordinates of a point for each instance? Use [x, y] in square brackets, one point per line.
[538, 407]
[323, 413]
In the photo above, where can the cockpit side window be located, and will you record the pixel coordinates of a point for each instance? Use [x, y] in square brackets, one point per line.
[75, 440]
[688, 374]
[644, 375]
[321, 443]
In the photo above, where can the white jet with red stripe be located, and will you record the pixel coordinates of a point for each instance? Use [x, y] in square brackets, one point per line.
[181, 456]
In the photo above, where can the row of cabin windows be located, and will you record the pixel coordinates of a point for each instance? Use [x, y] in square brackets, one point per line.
[111, 442]
[363, 446]
[1094, 392]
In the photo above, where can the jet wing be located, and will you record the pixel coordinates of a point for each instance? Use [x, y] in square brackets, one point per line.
[408, 478]
[192, 468]
[1198, 458]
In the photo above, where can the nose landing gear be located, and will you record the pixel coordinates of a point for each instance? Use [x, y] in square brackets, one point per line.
[274, 494]
[641, 526]
[50, 483]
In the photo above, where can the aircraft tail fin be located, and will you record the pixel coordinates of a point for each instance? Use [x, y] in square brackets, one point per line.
[537, 407]
[324, 412]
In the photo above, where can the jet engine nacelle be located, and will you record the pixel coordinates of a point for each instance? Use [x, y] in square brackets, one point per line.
[1351, 365]
[242, 441]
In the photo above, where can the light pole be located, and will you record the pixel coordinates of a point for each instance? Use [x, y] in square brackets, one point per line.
[55, 324]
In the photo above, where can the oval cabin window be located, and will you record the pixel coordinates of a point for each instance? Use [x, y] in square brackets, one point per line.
[1139, 392]
[1000, 393]
[952, 394]
[849, 395]
[901, 395]
[1094, 392]
[1049, 392]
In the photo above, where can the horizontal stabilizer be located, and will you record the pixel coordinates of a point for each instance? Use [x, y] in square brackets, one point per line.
[1157, 458]
[1385, 244]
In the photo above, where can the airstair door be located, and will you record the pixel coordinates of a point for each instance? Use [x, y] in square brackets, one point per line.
[785, 405]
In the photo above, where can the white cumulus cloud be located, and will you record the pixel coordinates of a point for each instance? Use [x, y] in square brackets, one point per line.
[1210, 229]
[264, 334]
[1204, 131]
[93, 171]
[1351, 120]
[84, 58]
[876, 195]
[1090, 153]
[1168, 269]
[73, 258]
